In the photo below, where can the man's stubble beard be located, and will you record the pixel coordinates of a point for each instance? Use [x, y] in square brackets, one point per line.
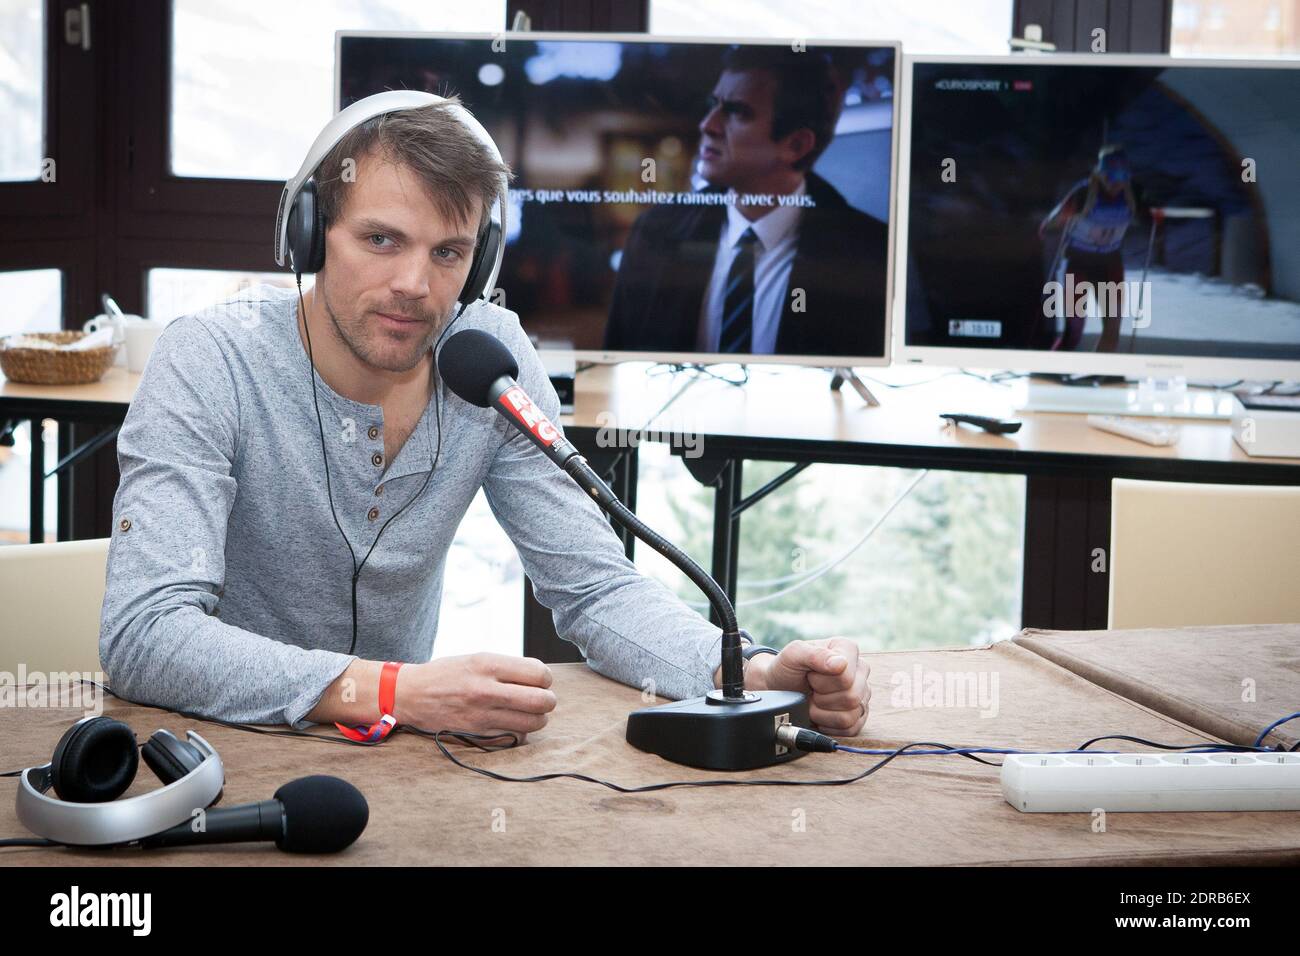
[358, 347]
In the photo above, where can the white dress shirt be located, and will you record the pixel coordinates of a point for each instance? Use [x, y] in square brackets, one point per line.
[778, 239]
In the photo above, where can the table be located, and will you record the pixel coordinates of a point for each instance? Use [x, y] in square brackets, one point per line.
[787, 413]
[1233, 683]
[916, 811]
[791, 414]
[100, 403]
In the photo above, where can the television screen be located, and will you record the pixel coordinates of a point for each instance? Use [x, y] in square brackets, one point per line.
[1101, 209]
[694, 200]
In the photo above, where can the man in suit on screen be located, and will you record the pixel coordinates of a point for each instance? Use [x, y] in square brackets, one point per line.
[798, 273]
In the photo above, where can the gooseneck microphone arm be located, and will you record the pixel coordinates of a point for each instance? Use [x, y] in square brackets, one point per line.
[506, 395]
[726, 729]
[733, 673]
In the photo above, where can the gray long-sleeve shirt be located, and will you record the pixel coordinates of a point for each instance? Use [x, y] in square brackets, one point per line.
[228, 590]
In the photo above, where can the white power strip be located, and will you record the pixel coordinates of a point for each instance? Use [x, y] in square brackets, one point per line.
[1081, 783]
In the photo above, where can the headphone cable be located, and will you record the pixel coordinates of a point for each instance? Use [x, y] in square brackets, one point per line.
[437, 409]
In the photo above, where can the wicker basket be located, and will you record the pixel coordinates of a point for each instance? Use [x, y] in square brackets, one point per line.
[56, 366]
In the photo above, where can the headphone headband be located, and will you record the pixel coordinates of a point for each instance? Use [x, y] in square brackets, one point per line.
[361, 111]
[119, 821]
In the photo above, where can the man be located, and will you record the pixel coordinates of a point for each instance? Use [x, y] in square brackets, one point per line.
[806, 278]
[229, 580]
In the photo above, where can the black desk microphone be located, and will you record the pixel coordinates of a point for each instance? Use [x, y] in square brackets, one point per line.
[727, 729]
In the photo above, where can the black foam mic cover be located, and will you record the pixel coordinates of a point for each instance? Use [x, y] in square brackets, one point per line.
[471, 361]
[321, 814]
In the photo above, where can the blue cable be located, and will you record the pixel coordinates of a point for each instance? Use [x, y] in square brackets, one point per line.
[1264, 733]
[965, 751]
[1208, 748]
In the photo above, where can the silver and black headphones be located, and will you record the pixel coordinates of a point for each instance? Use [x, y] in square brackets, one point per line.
[94, 764]
[300, 228]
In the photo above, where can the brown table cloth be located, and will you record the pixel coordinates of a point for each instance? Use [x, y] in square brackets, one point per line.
[1228, 681]
[917, 810]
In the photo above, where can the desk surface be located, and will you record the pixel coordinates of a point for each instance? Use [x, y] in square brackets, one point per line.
[784, 407]
[787, 406]
[917, 810]
[1238, 680]
[115, 391]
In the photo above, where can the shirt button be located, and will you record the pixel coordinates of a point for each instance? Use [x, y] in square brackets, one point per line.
[125, 524]
[372, 514]
[373, 431]
[379, 491]
[376, 459]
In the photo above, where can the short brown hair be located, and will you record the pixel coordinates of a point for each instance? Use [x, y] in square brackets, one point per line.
[807, 92]
[459, 172]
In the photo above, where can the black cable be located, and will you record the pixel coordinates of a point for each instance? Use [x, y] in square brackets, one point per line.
[437, 409]
[1217, 386]
[29, 841]
[473, 739]
[673, 368]
[1235, 748]
[738, 382]
[650, 787]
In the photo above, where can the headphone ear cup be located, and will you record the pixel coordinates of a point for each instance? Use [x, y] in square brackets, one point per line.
[480, 269]
[306, 231]
[95, 761]
[169, 757]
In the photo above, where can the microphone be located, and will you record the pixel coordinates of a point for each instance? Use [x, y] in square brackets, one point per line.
[480, 370]
[316, 814]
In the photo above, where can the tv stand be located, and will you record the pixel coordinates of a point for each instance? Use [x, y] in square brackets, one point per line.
[1080, 381]
[843, 374]
[1149, 398]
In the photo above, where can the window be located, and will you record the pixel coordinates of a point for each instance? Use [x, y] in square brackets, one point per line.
[482, 593]
[810, 569]
[172, 293]
[1247, 28]
[936, 26]
[22, 88]
[33, 302]
[253, 82]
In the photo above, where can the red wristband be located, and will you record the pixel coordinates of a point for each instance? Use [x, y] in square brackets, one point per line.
[381, 728]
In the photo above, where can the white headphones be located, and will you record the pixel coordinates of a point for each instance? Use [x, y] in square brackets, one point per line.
[300, 231]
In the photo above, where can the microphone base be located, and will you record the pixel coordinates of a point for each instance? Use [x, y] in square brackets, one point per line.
[715, 734]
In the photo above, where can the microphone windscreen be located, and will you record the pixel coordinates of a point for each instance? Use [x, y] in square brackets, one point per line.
[471, 361]
[321, 814]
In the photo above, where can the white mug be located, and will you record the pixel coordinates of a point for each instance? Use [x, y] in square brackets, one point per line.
[118, 324]
[140, 338]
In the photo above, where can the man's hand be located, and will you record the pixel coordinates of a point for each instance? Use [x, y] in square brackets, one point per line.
[483, 693]
[829, 671]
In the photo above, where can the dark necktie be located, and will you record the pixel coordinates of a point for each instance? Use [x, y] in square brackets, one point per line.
[738, 304]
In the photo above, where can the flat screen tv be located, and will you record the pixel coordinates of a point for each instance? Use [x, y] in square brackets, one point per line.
[1089, 214]
[677, 199]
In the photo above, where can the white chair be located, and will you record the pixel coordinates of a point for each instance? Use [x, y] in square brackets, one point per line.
[50, 601]
[1186, 554]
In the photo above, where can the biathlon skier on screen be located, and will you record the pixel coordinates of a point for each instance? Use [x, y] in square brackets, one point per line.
[1094, 217]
